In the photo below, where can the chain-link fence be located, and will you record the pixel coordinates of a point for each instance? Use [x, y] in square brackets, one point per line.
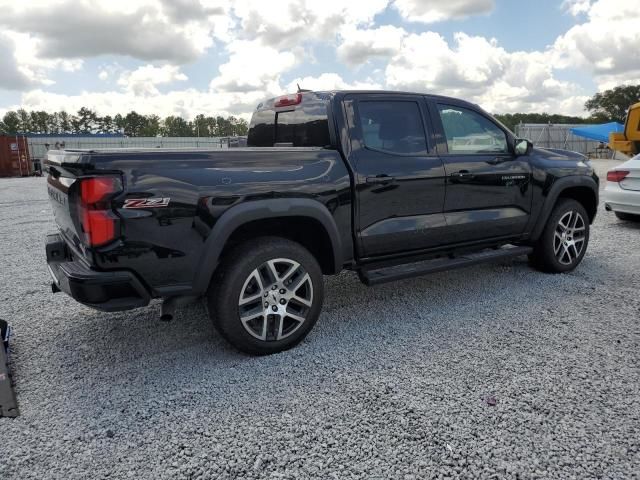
[559, 136]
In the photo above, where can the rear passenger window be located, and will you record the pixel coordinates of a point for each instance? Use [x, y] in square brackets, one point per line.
[470, 132]
[392, 126]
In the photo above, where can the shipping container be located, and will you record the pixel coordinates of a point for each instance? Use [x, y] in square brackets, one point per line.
[15, 160]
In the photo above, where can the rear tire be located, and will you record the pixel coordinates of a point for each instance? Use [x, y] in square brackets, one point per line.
[564, 239]
[266, 296]
[628, 217]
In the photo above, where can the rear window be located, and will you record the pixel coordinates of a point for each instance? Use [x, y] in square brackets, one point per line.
[306, 126]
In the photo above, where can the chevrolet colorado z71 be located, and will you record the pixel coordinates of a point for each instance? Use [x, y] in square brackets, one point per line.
[390, 185]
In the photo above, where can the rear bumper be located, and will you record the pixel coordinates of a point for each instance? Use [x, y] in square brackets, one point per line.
[108, 291]
[621, 200]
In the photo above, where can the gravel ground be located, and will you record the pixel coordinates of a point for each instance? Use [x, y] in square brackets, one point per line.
[496, 371]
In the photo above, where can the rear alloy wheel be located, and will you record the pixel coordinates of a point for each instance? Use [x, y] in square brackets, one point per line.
[275, 299]
[266, 296]
[564, 240]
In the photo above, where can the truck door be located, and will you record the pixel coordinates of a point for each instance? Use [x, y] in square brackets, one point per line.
[398, 175]
[488, 191]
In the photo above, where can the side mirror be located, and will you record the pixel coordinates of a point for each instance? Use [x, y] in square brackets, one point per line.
[522, 146]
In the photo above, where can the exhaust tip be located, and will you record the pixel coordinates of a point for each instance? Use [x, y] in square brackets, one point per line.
[166, 317]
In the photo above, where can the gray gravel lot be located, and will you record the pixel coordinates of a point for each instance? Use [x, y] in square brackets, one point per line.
[395, 381]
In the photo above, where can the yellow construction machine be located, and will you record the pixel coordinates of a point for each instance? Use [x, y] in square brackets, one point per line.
[628, 142]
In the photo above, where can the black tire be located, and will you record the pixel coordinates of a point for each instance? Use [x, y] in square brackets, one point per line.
[237, 275]
[627, 217]
[546, 255]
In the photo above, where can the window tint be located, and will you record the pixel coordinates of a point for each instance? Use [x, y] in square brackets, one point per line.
[261, 129]
[394, 127]
[306, 126]
[470, 132]
[303, 127]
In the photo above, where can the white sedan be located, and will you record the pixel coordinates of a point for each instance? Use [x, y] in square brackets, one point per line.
[622, 193]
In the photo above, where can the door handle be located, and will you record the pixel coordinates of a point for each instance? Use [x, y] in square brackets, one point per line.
[379, 180]
[462, 174]
[497, 160]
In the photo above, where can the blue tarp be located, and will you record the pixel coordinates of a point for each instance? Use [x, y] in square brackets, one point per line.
[599, 133]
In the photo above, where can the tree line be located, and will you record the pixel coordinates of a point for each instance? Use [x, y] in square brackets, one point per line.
[608, 106]
[133, 124]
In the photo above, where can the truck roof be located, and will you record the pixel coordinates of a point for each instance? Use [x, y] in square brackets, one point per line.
[332, 93]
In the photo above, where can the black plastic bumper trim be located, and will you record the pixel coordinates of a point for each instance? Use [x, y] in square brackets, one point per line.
[109, 291]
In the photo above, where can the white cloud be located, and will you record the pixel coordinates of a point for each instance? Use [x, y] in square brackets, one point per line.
[288, 23]
[360, 45]
[330, 81]
[11, 77]
[606, 44]
[262, 42]
[144, 80]
[252, 67]
[480, 70]
[187, 103]
[577, 7]
[143, 29]
[430, 11]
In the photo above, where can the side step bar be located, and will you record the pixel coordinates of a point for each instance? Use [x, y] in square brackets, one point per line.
[398, 272]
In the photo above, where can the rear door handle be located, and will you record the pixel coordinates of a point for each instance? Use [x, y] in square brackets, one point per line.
[379, 180]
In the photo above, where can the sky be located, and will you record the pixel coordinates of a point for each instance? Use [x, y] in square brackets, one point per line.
[187, 57]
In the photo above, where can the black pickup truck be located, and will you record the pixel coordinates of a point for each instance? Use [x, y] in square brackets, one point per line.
[388, 184]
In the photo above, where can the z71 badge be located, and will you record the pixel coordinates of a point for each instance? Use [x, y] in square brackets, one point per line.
[146, 202]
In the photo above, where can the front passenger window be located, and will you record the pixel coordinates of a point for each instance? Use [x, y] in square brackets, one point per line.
[469, 132]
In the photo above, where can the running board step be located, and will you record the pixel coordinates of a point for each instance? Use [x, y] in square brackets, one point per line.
[408, 270]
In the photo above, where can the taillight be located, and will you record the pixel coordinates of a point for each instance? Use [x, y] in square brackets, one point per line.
[288, 100]
[617, 175]
[99, 224]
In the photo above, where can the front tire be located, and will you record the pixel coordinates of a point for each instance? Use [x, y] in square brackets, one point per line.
[266, 296]
[564, 239]
[628, 217]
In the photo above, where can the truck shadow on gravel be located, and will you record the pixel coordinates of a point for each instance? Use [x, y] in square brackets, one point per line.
[353, 315]
[133, 357]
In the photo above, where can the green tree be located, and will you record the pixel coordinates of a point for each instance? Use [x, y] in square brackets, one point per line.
[151, 126]
[85, 122]
[134, 124]
[25, 121]
[173, 126]
[106, 125]
[64, 121]
[10, 123]
[612, 105]
[201, 126]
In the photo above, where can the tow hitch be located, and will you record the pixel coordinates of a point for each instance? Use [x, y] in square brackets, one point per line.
[8, 404]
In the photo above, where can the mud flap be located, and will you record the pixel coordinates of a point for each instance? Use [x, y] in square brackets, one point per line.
[8, 404]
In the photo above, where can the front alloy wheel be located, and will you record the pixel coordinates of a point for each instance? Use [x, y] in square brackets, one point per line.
[569, 238]
[564, 240]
